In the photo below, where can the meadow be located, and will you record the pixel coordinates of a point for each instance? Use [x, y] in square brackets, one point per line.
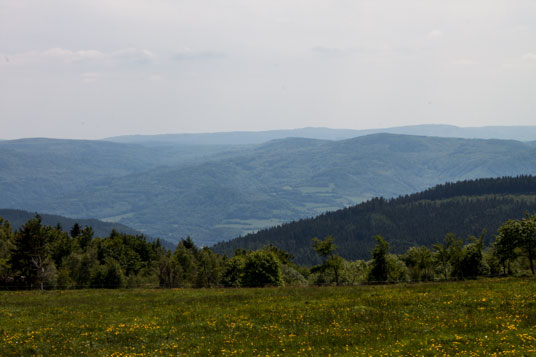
[480, 317]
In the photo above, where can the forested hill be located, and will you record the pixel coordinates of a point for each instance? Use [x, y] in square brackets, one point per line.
[17, 218]
[217, 193]
[463, 208]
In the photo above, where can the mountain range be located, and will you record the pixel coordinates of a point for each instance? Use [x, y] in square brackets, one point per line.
[214, 190]
[520, 133]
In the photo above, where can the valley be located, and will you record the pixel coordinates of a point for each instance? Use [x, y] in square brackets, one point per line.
[217, 192]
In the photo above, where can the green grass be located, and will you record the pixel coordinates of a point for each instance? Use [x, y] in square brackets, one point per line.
[484, 317]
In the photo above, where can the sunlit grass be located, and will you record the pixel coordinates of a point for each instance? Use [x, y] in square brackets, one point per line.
[485, 317]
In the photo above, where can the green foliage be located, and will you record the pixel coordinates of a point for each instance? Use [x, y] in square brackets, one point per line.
[6, 238]
[492, 262]
[82, 266]
[517, 237]
[233, 271]
[210, 268]
[75, 230]
[169, 272]
[85, 237]
[40, 256]
[185, 257]
[325, 247]
[261, 268]
[6, 246]
[109, 275]
[353, 272]
[396, 269]
[284, 257]
[64, 280]
[60, 245]
[30, 257]
[420, 262]
[44, 257]
[472, 264]
[291, 276]
[253, 269]
[379, 271]
[18, 218]
[332, 263]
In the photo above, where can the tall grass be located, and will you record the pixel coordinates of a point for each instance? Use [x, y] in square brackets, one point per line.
[483, 317]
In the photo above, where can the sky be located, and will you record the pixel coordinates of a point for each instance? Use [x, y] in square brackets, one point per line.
[90, 69]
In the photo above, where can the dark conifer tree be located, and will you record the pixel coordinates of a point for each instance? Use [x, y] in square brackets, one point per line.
[379, 271]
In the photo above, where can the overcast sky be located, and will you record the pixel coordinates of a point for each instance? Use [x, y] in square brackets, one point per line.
[99, 68]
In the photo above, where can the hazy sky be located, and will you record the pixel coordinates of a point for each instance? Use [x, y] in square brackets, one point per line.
[98, 68]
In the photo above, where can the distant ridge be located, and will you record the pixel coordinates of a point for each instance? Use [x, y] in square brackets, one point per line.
[172, 191]
[237, 137]
[520, 133]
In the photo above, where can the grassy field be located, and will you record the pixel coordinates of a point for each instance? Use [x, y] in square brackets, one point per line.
[484, 317]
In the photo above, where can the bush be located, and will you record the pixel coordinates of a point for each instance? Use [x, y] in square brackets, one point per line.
[108, 275]
[233, 272]
[292, 277]
[64, 280]
[353, 272]
[396, 269]
[261, 269]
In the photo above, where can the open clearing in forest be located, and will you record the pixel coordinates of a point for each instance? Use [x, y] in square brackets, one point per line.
[484, 316]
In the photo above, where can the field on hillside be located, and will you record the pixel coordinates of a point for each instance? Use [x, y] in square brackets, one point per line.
[486, 317]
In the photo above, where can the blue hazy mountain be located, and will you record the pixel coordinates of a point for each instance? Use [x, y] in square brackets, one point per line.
[171, 191]
[520, 133]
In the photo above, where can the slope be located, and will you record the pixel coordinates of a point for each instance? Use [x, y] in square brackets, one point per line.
[42, 169]
[17, 218]
[463, 208]
[285, 180]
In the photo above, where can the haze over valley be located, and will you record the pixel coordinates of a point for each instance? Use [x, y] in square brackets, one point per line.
[215, 187]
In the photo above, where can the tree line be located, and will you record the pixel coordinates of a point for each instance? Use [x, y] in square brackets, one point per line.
[38, 256]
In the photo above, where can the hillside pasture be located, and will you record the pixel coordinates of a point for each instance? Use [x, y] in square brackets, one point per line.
[482, 317]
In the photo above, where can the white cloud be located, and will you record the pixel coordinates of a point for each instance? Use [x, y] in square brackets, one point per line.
[329, 50]
[155, 78]
[66, 56]
[191, 54]
[464, 62]
[332, 51]
[435, 34]
[135, 55]
[529, 57]
[90, 77]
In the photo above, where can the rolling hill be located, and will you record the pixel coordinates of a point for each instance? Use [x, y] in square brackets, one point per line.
[44, 169]
[463, 208]
[520, 133]
[219, 195]
[17, 218]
